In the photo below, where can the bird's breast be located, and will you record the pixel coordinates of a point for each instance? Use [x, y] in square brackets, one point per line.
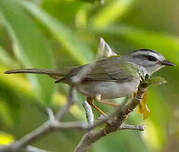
[108, 89]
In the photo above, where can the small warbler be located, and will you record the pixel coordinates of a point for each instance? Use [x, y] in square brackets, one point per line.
[109, 77]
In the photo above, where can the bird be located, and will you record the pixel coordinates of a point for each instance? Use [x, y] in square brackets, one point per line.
[109, 77]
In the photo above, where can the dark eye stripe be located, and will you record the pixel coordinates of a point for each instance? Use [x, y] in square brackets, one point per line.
[150, 58]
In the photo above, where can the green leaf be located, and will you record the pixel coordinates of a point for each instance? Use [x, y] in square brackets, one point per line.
[77, 49]
[110, 12]
[6, 59]
[5, 113]
[123, 141]
[30, 46]
[161, 115]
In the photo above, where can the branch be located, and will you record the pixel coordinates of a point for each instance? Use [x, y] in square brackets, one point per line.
[53, 124]
[33, 149]
[116, 124]
[50, 125]
[90, 119]
[70, 101]
[131, 127]
[89, 113]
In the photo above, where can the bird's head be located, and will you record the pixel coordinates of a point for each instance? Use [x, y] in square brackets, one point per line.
[148, 60]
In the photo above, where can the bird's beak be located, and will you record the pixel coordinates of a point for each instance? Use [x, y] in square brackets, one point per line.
[167, 63]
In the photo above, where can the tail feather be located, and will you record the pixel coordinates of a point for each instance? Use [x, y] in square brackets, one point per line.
[52, 73]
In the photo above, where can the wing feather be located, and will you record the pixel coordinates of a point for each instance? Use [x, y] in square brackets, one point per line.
[111, 69]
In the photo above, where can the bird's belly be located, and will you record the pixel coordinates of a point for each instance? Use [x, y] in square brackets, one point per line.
[108, 89]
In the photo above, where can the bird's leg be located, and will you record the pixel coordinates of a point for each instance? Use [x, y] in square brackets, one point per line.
[90, 102]
[109, 103]
[98, 98]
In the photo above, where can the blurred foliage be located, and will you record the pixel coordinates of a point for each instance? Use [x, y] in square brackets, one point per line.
[63, 33]
[5, 138]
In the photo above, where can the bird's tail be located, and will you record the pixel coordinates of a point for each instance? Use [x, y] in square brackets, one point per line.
[52, 73]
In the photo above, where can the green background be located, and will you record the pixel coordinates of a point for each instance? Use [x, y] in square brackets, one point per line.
[62, 33]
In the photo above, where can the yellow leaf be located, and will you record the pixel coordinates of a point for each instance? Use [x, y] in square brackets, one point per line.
[143, 109]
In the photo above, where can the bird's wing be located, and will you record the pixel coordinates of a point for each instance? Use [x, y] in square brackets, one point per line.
[112, 69]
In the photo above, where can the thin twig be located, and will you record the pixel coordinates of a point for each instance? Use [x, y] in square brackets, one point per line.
[89, 113]
[131, 127]
[90, 137]
[45, 128]
[70, 101]
[117, 124]
[90, 119]
[27, 139]
[114, 122]
[51, 124]
[50, 115]
[83, 145]
[34, 149]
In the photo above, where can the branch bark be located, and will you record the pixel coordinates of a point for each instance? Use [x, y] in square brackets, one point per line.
[70, 101]
[89, 138]
[114, 122]
[52, 124]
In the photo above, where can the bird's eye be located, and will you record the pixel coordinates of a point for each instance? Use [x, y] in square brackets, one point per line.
[151, 58]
